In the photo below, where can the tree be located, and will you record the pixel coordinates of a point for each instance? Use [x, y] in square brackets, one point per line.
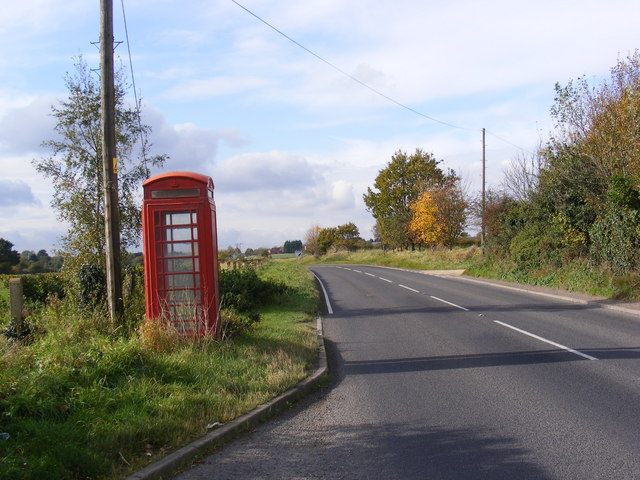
[291, 246]
[439, 215]
[425, 227]
[311, 244]
[347, 236]
[595, 142]
[522, 175]
[396, 187]
[326, 239]
[74, 166]
[601, 121]
[8, 256]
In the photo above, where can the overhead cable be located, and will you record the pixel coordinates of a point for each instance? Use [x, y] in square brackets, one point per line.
[338, 69]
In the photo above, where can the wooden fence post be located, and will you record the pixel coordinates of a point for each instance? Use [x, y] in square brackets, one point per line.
[16, 302]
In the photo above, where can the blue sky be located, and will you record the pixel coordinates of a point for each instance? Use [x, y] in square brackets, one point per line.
[289, 141]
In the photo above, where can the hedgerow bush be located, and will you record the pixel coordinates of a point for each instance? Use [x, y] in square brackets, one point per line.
[242, 292]
[614, 240]
[37, 288]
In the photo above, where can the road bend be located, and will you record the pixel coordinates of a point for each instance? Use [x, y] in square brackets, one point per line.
[445, 378]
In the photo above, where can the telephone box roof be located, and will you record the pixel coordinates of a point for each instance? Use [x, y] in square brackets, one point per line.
[198, 177]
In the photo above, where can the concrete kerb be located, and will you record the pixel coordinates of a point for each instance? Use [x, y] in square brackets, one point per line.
[169, 465]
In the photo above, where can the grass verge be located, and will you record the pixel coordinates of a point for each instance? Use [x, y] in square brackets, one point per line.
[85, 401]
[575, 276]
[436, 259]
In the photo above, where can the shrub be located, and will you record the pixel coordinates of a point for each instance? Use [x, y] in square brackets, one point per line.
[242, 292]
[40, 287]
[92, 282]
[245, 291]
[537, 245]
[235, 323]
[614, 240]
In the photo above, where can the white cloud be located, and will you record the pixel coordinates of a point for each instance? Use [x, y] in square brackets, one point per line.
[212, 87]
[188, 146]
[15, 193]
[342, 194]
[25, 123]
[265, 172]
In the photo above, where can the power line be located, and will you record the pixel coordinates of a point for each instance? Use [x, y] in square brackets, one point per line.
[338, 69]
[133, 83]
[369, 87]
[510, 143]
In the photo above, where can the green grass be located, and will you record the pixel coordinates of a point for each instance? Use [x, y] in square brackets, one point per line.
[575, 276]
[84, 401]
[4, 305]
[283, 256]
[438, 259]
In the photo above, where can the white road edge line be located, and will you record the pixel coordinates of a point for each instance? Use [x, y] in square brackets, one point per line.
[563, 347]
[408, 288]
[449, 303]
[381, 278]
[326, 296]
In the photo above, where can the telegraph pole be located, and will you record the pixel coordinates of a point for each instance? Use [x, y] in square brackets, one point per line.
[484, 201]
[110, 164]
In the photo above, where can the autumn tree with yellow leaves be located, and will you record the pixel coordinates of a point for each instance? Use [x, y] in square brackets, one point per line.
[439, 215]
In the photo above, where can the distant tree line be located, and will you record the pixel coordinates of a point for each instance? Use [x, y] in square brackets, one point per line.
[292, 246]
[319, 240]
[28, 261]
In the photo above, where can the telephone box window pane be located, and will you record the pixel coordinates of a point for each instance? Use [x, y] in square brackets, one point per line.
[177, 218]
[185, 312]
[181, 265]
[177, 193]
[184, 249]
[177, 234]
[183, 297]
[180, 281]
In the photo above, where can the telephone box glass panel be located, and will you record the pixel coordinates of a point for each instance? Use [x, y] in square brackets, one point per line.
[178, 263]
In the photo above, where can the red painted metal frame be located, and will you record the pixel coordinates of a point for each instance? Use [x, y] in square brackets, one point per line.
[180, 247]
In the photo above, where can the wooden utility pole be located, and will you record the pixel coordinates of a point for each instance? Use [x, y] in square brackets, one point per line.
[110, 163]
[484, 200]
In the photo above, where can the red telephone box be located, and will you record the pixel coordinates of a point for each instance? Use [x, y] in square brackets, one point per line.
[181, 252]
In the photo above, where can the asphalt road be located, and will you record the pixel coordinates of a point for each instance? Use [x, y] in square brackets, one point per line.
[445, 378]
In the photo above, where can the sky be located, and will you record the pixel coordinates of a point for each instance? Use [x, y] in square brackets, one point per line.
[290, 139]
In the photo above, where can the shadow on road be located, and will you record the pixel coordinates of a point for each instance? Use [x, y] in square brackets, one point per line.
[389, 451]
[453, 362]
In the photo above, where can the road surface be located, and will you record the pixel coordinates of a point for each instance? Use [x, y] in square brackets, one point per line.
[446, 378]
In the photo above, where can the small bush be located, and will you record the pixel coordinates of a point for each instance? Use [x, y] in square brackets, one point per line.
[92, 281]
[614, 238]
[244, 290]
[42, 286]
[235, 323]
